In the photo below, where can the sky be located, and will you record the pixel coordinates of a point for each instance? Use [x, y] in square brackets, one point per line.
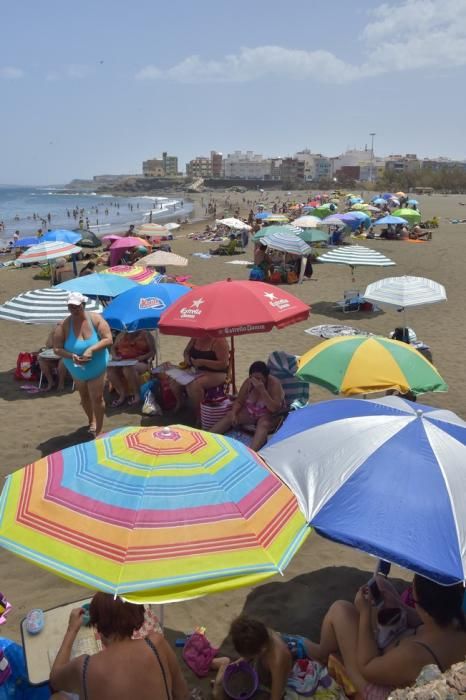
[98, 86]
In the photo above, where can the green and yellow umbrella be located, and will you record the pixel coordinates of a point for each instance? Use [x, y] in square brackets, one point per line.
[363, 364]
[412, 216]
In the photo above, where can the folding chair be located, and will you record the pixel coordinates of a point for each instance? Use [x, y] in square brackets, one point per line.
[351, 301]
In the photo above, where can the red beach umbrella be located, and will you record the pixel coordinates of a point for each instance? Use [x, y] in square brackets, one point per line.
[232, 307]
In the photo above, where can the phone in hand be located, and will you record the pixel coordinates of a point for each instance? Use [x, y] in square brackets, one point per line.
[383, 567]
[376, 595]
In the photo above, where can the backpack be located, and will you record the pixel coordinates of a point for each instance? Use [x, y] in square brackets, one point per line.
[27, 368]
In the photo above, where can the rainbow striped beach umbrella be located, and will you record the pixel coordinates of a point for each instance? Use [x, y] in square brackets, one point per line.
[137, 273]
[48, 250]
[362, 364]
[153, 514]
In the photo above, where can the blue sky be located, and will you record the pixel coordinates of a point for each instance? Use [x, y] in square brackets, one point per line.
[96, 86]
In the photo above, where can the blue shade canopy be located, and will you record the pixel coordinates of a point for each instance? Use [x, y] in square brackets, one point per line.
[385, 476]
[26, 242]
[99, 285]
[62, 235]
[142, 307]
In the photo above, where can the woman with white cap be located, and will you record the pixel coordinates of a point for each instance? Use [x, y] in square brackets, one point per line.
[82, 341]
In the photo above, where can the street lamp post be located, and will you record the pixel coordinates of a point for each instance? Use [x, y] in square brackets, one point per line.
[372, 134]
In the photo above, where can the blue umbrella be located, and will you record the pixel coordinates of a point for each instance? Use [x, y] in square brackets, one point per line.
[142, 307]
[26, 242]
[379, 200]
[387, 195]
[99, 285]
[263, 214]
[385, 476]
[413, 202]
[389, 220]
[62, 235]
[354, 219]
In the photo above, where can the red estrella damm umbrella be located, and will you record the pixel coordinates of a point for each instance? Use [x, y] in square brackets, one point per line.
[230, 308]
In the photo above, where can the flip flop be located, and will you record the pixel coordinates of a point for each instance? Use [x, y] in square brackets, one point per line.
[118, 402]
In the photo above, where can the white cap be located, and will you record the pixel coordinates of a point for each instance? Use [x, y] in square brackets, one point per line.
[76, 299]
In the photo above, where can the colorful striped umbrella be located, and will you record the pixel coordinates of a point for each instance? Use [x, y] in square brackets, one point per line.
[362, 364]
[153, 230]
[142, 275]
[48, 250]
[278, 228]
[153, 514]
[41, 306]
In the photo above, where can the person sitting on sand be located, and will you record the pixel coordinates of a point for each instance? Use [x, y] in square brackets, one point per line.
[61, 271]
[262, 258]
[210, 358]
[143, 668]
[271, 653]
[138, 346]
[88, 269]
[418, 233]
[260, 398]
[435, 633]
[49, 364]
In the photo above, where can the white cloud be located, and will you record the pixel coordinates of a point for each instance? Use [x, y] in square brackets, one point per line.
[11, 73]
[77, 70]
[402, 36]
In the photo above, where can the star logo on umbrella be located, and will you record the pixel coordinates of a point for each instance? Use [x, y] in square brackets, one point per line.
[270, 295]
[197, 302]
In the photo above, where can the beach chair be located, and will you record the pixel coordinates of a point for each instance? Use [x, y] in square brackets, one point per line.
[351, 301]
[284, 366]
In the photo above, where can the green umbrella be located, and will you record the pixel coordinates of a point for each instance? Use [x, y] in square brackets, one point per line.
[324, 210]
[313, 235]
[411, 215]
[352, 365]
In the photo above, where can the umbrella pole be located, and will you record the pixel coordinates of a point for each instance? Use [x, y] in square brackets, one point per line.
[233, 367]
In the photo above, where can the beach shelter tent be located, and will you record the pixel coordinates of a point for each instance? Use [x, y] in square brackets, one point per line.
[41, 306]
[153, 514]
[385, 476]
[89, 239]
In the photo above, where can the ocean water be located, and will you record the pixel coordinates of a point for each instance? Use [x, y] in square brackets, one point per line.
[104, 213]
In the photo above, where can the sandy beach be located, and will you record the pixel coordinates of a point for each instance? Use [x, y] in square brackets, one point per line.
[36, 425]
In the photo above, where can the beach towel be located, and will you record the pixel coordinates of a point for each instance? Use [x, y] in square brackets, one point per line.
[308, 678]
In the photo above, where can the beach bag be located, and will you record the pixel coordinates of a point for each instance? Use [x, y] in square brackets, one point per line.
[275, 277]
[198, 654]
[167, 397]
[27, 368]
[213, 411]
[257, 274]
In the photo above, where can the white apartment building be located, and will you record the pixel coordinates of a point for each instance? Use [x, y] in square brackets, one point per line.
[316, 166]
[246, 165]
[359, 158]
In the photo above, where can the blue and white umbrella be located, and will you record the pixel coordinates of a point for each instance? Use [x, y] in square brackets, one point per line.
[141, 307]
[385, 476]
[99, 285]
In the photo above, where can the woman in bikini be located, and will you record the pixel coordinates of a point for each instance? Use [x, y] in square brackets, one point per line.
[82, 340]
[140, 347]
[436, 635]
[210, 358]
[260, 398]
[126, 668]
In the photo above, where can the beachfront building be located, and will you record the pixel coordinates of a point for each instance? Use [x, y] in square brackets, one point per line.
[205, 166]
[199, 167]
[357, 164]
[402, 164]
[246, 166]
[292, 170]
[316, 166]
[167, 166]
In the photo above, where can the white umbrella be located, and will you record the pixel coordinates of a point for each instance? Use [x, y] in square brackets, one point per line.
[234, 223]
[152, 230]
[405, 291]
[172, 226]
[162, 258]
[41, 306]
[48, 250]
[308, 221]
